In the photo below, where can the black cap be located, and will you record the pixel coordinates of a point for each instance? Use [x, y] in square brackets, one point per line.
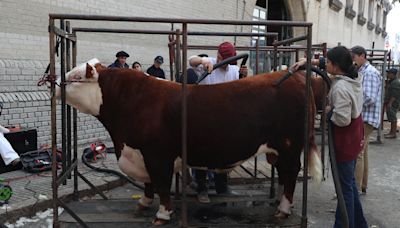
[359, 50]
[392, 70]
[159, 59]
[122, 54]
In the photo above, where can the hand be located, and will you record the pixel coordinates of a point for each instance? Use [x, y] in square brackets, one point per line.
[328, 109]
[298, 64]
[243, 71]
[208, 66]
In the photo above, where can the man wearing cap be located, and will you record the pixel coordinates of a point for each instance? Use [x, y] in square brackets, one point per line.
[371, 114]
[225, 73]
[155, 69]
[120, 62]
[392, 101]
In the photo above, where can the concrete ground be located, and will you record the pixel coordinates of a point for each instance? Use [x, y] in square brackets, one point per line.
[381, 203]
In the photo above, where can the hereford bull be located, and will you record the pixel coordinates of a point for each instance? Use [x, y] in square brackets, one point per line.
[227, 124]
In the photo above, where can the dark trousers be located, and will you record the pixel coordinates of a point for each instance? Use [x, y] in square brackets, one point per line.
[221, 181]
[350, 194]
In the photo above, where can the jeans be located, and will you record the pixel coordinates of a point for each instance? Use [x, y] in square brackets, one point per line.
[221, 181]
[350, 194]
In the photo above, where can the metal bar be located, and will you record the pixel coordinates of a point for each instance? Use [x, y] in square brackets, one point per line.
[257, 65]
[168, 32]
[252, 48]
[92, 186]
[177, 69]
[68, 68]
[272, 188]
[63, 104]
[62, 33]
[246, 170]
[53, 125]
[306, 129]
[72, 213]
[379, 135]
[75, 128]
[290, 40]
[67, 173]
[275, 58]
[184, 125]
[178, 59]
[177, 20]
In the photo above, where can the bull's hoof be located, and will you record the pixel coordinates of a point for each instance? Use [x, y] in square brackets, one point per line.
[281, 215]
[141, 207]
[160, 222]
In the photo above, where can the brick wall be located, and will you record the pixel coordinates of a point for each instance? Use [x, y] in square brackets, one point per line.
[24, 49]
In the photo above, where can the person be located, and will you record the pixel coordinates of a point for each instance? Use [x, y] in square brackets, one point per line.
[225, 73]
[8, 154]
[137, 66]
[155, 69]
[392, 101]
[372, 88]
[345, 104]
[193, 73]
[120, 62]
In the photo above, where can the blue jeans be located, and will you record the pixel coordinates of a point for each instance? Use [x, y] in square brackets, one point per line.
[350, 194]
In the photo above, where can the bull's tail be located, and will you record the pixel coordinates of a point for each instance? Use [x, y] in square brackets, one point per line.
[314, 161]
[314, 157]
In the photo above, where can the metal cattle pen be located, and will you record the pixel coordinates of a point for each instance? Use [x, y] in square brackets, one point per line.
[69, 153]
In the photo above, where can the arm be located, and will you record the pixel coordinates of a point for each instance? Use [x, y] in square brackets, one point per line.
[194, 61]
[371, 85]
[341, 115]
[303, 62]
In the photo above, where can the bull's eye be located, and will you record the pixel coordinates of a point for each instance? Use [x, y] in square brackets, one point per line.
[77, 77]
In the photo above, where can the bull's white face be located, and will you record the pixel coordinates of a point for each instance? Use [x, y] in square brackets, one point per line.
[82, 89]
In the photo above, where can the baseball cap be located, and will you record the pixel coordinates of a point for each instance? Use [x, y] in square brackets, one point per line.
[392, 70]
[159, 59]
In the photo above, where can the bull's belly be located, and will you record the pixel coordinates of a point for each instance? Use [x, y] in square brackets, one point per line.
[132, 164]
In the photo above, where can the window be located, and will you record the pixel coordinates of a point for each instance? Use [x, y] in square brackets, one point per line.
[349, 12]
[378, 15]
[370, 10]
[259, 14]
[370, 24]
[361, 6]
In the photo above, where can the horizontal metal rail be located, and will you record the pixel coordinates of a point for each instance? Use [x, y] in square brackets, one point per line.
[177, 20]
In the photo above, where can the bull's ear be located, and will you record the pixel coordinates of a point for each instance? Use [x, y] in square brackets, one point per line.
[89, 71]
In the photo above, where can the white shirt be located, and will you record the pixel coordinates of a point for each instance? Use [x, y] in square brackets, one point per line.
[219, 75]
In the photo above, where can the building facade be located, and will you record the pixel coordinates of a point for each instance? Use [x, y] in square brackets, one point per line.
[24, 45]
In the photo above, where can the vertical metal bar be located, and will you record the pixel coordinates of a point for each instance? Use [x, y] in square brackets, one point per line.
[177, 69]
[53, 123]
[184, 126]
[323, 119]
[68, 68]
[379, 136]
[171, 53]
[306, 129]
[75, 127]
[63, 104]
[257, 68]
[275, 58]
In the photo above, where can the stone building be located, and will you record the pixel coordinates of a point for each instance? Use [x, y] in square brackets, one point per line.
[24, 45]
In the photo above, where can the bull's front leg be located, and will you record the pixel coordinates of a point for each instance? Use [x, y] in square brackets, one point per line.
[161, 172]
[148, 198]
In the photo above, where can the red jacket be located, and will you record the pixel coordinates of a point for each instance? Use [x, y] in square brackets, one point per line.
[349, 140]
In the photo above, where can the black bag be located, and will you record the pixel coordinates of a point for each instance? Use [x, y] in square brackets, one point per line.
[36, 161]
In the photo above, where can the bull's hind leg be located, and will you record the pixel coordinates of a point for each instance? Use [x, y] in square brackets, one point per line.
[161, 171]
[288, 169]
[146, 201]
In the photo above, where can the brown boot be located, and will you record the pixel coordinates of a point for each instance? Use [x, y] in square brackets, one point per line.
[392, 133]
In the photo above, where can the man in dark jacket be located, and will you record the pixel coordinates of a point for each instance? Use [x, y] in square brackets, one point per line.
[120, 62]
[155, 69]
[392, 101]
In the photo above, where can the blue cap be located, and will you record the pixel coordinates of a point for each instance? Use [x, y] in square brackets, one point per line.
[392, 70]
